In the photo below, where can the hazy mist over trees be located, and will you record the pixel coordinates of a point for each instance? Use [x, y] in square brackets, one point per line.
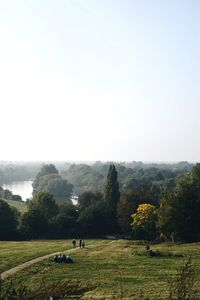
[48, 180]
[151, 201]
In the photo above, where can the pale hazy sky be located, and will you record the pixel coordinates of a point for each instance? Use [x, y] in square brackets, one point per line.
[100, 80]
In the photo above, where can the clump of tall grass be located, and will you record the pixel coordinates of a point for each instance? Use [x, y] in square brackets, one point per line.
[184, 286]
[11, 292]
[54, 291]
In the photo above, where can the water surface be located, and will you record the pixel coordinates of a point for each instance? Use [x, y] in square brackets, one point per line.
[22, 188]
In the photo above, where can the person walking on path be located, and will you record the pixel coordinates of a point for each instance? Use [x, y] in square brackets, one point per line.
[83, 244]
[80, 243]
[74, 243]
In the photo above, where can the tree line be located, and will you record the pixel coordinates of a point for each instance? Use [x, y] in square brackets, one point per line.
[130, 175]
[146, 211]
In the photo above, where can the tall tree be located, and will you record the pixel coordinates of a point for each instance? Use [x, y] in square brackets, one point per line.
[112, 196]
[112, 193]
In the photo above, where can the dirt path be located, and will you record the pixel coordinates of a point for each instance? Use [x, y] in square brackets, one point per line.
[18, 268]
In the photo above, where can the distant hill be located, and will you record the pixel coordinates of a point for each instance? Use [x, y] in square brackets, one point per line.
[21, 206]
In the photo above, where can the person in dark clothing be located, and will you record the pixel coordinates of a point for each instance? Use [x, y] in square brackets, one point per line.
[83, 243]
[64, 258]
[80, 243]
[56, 258]
[69, 259]
[74, 243]
[148, 247]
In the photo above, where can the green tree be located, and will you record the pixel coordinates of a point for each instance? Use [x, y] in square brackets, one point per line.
[112, 196]
[34, 224]
[60, 188]
[195, 174]
[48, 180]
[37, 222]
[65, 222]
[47, 169]
[180, 212]
[112, 193]
[180, 209]
[93, 220]
[45, 203]
[127, 205]
[8, 221]
[89, 198]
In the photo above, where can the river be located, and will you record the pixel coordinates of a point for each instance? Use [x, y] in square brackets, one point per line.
[22, 188]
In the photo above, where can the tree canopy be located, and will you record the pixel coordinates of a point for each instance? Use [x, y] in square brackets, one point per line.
[144, 221]
[180, 209]
[111, 191]
[112, 196]
[155, 204]
[45, 203]
[48, 180]
[8, 221]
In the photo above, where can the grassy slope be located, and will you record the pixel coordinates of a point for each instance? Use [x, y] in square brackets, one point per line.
[114, 267]
[15, 253]
[21, 206]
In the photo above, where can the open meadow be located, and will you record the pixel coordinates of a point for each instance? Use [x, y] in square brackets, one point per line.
[118, 269]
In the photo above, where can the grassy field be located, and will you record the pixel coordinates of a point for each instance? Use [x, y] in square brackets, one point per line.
[21, 206]
[110, 269]
[15, 253]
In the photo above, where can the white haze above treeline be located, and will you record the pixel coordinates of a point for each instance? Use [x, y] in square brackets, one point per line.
[100, 80]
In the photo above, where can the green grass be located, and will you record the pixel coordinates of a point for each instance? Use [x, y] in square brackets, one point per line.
[15, 253]
[112, 270]
[21, 206]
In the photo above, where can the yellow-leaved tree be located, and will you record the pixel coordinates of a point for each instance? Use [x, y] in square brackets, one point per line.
[144, 221]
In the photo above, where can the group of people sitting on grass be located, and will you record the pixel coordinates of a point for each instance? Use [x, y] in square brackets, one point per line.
[62, 258]
[81, 243]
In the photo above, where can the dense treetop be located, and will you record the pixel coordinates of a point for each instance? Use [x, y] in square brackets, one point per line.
[130, 175]
[48, 180]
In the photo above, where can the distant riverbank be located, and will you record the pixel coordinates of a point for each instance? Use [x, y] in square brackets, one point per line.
[22, 188]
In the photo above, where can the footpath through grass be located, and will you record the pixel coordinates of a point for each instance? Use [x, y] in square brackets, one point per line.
[113, 270]
[15, 253]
